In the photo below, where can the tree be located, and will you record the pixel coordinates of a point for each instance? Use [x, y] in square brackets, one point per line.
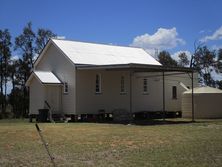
[218, 68]
[29, 44]
[13, 71]
[25, 44]
[219, 61]
[43, 35]
[5, 54]
[166, 60]
[204, 62]
[183, 59]
[16, 97]
[219, 84]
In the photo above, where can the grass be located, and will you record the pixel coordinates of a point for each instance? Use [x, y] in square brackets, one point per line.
[91, 144]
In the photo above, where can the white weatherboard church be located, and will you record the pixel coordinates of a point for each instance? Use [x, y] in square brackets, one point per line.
[77, 78]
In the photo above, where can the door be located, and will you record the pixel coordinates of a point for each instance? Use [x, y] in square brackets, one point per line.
[53, 97]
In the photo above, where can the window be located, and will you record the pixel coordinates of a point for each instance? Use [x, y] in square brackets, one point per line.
[98, 83]
[65, 87]
[174, 92]
[122, 85]
[145, 85]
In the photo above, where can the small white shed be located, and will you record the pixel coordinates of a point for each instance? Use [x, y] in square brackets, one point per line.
[207, 103]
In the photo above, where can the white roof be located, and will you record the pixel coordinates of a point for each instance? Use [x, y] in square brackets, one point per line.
[204, 89]
[101, 54]
[47, 77]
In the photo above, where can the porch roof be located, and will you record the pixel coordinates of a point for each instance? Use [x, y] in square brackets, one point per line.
[136, 68]
[45, 77]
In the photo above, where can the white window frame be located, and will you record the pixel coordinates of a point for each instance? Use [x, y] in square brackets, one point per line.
[174, 97]
[122, 85]
[65, 88]
[98, 83]
[145, 86]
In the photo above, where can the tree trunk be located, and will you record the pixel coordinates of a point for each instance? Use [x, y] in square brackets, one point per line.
[13, 93]
[1, 93]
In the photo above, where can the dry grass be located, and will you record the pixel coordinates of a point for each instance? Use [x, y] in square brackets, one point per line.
[91, 144]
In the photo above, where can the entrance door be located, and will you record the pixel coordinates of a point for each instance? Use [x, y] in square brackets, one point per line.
[53, 97]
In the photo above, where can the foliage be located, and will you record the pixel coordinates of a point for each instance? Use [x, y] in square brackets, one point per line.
[42, 38]
[166, 60]
[5, 54]
[219, 84]
[219, 61]
[204, 62]
[28, 44]
[24, 43]
[183, 60]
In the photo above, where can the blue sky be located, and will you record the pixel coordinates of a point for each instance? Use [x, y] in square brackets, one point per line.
[171, 25]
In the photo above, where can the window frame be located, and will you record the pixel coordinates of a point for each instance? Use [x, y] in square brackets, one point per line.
[174, 92]
[98, 83]
[122, 85]
[145, 86]
[65, 88]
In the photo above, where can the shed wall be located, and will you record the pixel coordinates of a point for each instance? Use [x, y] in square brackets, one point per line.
[206, 105]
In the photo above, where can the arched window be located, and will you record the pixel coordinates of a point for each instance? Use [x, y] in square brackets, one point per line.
[145, 85]
[174, 92]
[122, 85]
[98, 83]
[65, 87]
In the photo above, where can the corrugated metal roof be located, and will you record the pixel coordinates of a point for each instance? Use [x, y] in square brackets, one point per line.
[101, 54]
[47, 77]
[204, 89]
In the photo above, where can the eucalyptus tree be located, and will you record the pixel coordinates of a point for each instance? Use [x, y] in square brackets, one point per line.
[204, 62]
[42, 37]
[5, 54]
[29, 44]
[183, 59]
[166, 60]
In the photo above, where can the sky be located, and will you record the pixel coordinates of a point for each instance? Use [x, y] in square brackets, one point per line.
[172, 25]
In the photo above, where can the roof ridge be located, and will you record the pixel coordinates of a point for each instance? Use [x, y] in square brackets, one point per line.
[95, 43]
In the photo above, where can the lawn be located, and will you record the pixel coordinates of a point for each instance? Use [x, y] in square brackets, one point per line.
[94, 144]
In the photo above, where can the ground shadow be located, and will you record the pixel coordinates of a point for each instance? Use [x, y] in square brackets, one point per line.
[146, 122]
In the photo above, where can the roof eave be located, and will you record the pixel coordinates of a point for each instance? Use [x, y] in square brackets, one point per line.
[137, 67]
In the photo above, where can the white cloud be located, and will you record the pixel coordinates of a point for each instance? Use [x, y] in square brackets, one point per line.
[14, 58]
[201, 31]
[162, 39]
[60, 37]
[9, 87]
[35, 56]
[216, 76]
[216, 47]
[176, 54]
[215, 36]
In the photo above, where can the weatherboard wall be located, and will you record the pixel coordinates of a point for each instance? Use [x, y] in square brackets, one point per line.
[206, 105]
[37, 95]
[110, 98]
[152, 100]
[62, 67]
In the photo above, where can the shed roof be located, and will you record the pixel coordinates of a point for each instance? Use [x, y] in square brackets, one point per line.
[45, 77]
[101, 54]
[202, 90]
